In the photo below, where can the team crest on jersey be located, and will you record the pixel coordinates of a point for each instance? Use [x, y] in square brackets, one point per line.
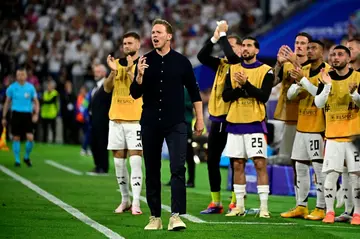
[26, 95]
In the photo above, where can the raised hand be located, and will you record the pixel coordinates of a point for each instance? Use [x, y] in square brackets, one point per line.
[281, 56]
[325, 78]
[223, 26]
[352, 87]
[141, 69]
[111, 62]
[288, 54]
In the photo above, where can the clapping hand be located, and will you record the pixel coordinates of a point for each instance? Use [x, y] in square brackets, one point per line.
[130, 63]
[288, 55]
[325, 78]
[141, 69]
[240, 78]
[111, 62]
[296, 74]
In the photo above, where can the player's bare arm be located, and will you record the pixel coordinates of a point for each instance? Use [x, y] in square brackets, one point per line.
[279, 64]
[35, 116]
[5, 110]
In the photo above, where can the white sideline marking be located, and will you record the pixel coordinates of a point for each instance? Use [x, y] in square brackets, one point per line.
[198, 220]
[73, 211]
[186, 216]
[189, 217]
[331, 226]
[256, 223]
[62, 167]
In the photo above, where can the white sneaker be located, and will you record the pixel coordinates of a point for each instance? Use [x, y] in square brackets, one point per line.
[83, 152]
[89, 153]
[236, 212]
[196, 159]
[123, 207]
[155, 223]
[175, 223]
[135, 210]
[344, 217]
[264, 213]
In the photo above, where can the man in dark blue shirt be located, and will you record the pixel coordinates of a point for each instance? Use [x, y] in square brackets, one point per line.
[162, 87]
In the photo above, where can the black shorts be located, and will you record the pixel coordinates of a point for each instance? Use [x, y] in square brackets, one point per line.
[21, 123]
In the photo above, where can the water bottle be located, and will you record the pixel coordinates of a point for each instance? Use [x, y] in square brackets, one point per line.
[252, 211]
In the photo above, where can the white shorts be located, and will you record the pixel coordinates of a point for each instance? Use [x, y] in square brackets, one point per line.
[308, 147]
[286, 145]
[338, 153]
[244, 146]
[124, 136]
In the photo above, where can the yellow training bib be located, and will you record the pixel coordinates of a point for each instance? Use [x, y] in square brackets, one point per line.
[342, 115]
[248, 110]
[217, 106]
[286, 110]
[310, 118]
[123, 106]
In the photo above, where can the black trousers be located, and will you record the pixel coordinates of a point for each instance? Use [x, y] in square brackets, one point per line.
[190, 159]
[176, 140]
[70, 131]
[216, 144]
[46, 123]
[99, 141]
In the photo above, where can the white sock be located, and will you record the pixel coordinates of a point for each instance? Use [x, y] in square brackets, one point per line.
[320, 177]
[240, 191]
[122, 176]
[296, 189]
[346, 187]
[136, 178]
[355, 185]
[303, 183]
[263, 191]
[330, 190]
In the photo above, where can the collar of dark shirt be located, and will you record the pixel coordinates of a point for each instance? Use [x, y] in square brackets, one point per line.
[155, 53]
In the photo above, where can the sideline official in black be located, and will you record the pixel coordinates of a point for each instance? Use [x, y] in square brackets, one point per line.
[160, 79]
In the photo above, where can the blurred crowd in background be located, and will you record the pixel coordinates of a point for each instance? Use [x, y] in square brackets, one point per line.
[59, 41]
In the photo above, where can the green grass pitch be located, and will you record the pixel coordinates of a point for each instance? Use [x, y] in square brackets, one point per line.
[26, 214]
